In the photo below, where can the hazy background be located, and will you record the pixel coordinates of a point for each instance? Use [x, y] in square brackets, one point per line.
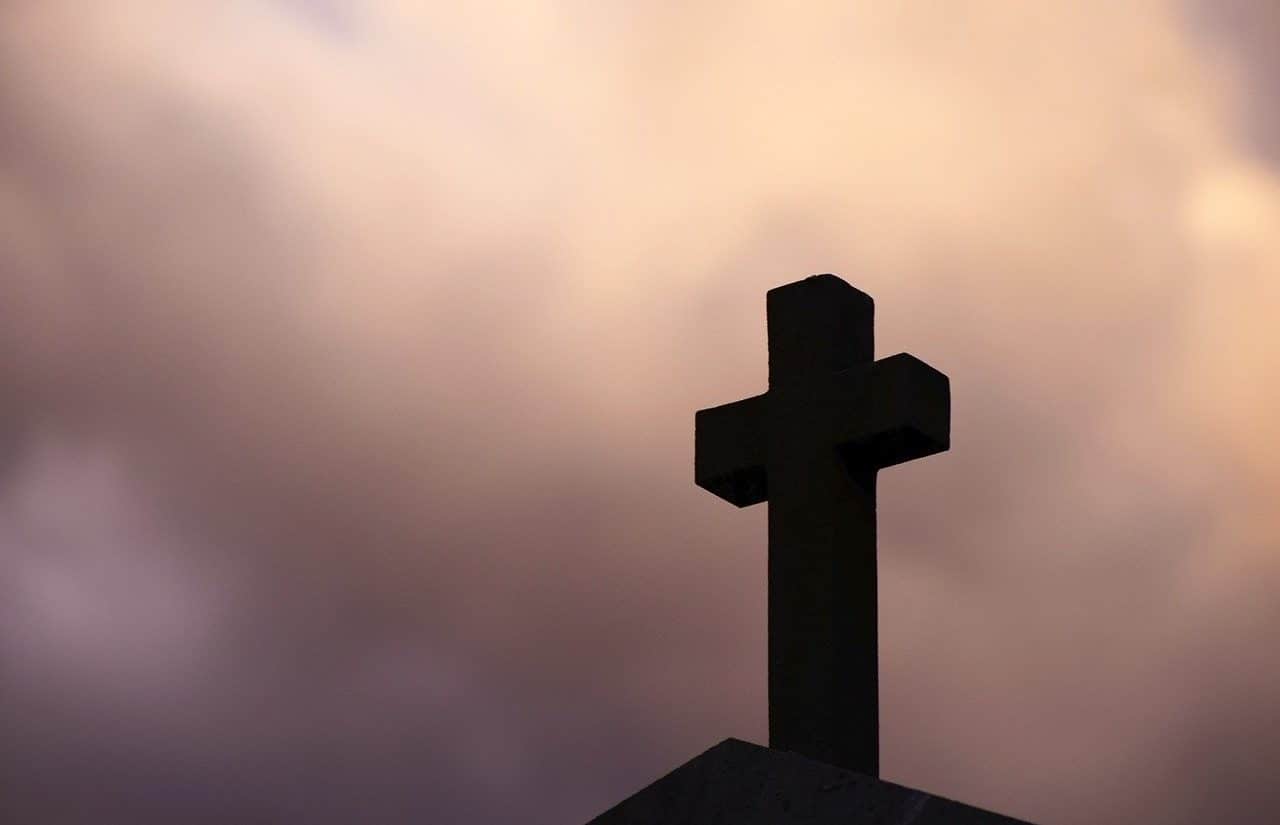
[349, 353]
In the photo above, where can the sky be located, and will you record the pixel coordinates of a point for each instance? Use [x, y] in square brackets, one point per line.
[350, 350]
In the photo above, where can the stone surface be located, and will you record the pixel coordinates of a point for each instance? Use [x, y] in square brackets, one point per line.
[811, 446]
[738, 783]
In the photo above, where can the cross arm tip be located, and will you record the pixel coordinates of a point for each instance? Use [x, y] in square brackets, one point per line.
[729, 451]
[911, 418]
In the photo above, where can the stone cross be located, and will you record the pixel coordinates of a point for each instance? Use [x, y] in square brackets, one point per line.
[812, 445]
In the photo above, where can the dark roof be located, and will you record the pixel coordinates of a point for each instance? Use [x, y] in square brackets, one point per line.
[738, 783]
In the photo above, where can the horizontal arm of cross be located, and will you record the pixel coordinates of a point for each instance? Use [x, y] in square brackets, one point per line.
[877, 415]
[730, 444]
[903, 412]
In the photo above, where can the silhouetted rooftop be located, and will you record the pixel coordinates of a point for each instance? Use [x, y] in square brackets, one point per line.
[738, 783]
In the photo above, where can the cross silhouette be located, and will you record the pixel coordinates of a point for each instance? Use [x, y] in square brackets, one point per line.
[812, 445]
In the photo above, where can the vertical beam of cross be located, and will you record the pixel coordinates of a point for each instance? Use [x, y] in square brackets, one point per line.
[812, 446]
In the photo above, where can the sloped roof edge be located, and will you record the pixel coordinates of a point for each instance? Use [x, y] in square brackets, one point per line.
[739, 783]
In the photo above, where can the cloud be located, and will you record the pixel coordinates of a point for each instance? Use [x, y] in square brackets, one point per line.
[350, 383]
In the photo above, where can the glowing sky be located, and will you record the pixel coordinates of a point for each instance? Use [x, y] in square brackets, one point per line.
[350, 352]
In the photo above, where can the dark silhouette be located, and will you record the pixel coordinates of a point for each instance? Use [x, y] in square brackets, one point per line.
[811, 446]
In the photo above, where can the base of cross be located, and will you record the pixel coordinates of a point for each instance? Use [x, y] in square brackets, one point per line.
[744, 784]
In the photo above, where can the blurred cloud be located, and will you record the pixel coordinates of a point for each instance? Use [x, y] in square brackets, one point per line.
[351, 351]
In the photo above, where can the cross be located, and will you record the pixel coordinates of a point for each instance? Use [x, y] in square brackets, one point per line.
[812, 445]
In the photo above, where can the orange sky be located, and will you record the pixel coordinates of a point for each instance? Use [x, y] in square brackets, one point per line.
[352, 350]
